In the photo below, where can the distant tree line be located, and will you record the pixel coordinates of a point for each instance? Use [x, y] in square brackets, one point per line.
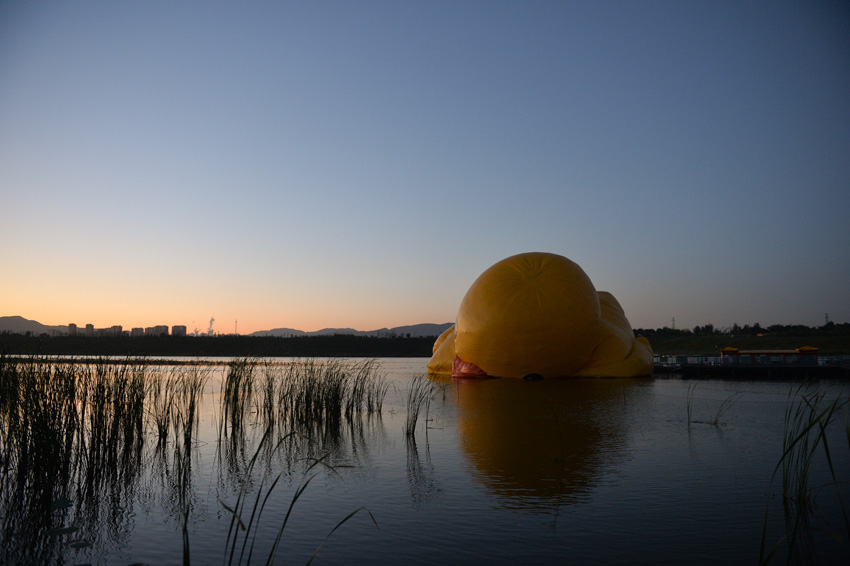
[341, 345]
[828, 329]
[344, 345]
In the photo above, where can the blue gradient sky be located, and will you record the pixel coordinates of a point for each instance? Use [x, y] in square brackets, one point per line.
[359, 164]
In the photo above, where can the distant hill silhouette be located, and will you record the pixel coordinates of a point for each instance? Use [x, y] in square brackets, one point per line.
[414, 331]
[21, 325]
[279, 332]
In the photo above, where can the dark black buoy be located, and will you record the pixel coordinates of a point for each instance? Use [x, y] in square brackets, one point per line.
[533, 377]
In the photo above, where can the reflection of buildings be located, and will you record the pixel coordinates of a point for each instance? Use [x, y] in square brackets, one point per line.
[541, 444]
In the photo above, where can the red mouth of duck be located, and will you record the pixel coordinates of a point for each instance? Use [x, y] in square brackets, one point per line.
[467, 370]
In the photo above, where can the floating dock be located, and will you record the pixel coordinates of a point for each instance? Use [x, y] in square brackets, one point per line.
[790, 365]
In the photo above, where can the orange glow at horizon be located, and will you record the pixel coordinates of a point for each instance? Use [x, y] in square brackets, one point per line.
[104, 310]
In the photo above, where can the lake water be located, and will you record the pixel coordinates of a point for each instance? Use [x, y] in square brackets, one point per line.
[613, 471]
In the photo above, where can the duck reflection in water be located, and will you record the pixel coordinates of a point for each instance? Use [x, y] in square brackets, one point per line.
[539, 444]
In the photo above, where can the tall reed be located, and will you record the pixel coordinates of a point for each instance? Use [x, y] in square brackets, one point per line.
[690, 403]
[807, 419]
[246, 519]
[72, 437]
[321, 402]
[418, 397]
[238, 394]
[190, 387]
[69, 433]
[161, 393]
[724, 407]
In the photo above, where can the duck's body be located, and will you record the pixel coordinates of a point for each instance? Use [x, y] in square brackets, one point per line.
[539, 314]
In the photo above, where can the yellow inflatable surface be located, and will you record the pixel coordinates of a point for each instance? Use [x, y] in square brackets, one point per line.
[537, 315]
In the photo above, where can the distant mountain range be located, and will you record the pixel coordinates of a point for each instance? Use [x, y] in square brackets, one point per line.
[414, 331]
[21, 325]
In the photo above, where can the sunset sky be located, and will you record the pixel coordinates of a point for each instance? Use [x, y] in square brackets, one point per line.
[360, 163]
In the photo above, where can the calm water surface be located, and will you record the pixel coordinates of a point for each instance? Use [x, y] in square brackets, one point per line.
[502, 471]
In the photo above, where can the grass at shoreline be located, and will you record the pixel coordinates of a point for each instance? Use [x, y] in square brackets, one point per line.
[79, 439]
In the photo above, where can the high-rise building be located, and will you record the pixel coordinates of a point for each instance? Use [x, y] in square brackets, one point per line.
[159, 330]
[178, 330]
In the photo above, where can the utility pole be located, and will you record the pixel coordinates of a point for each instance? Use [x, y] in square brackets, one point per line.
[674, 323]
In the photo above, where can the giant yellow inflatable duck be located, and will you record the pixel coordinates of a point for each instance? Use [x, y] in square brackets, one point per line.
[537, 315]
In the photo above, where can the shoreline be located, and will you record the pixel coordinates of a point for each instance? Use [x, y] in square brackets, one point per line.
[730, 372]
